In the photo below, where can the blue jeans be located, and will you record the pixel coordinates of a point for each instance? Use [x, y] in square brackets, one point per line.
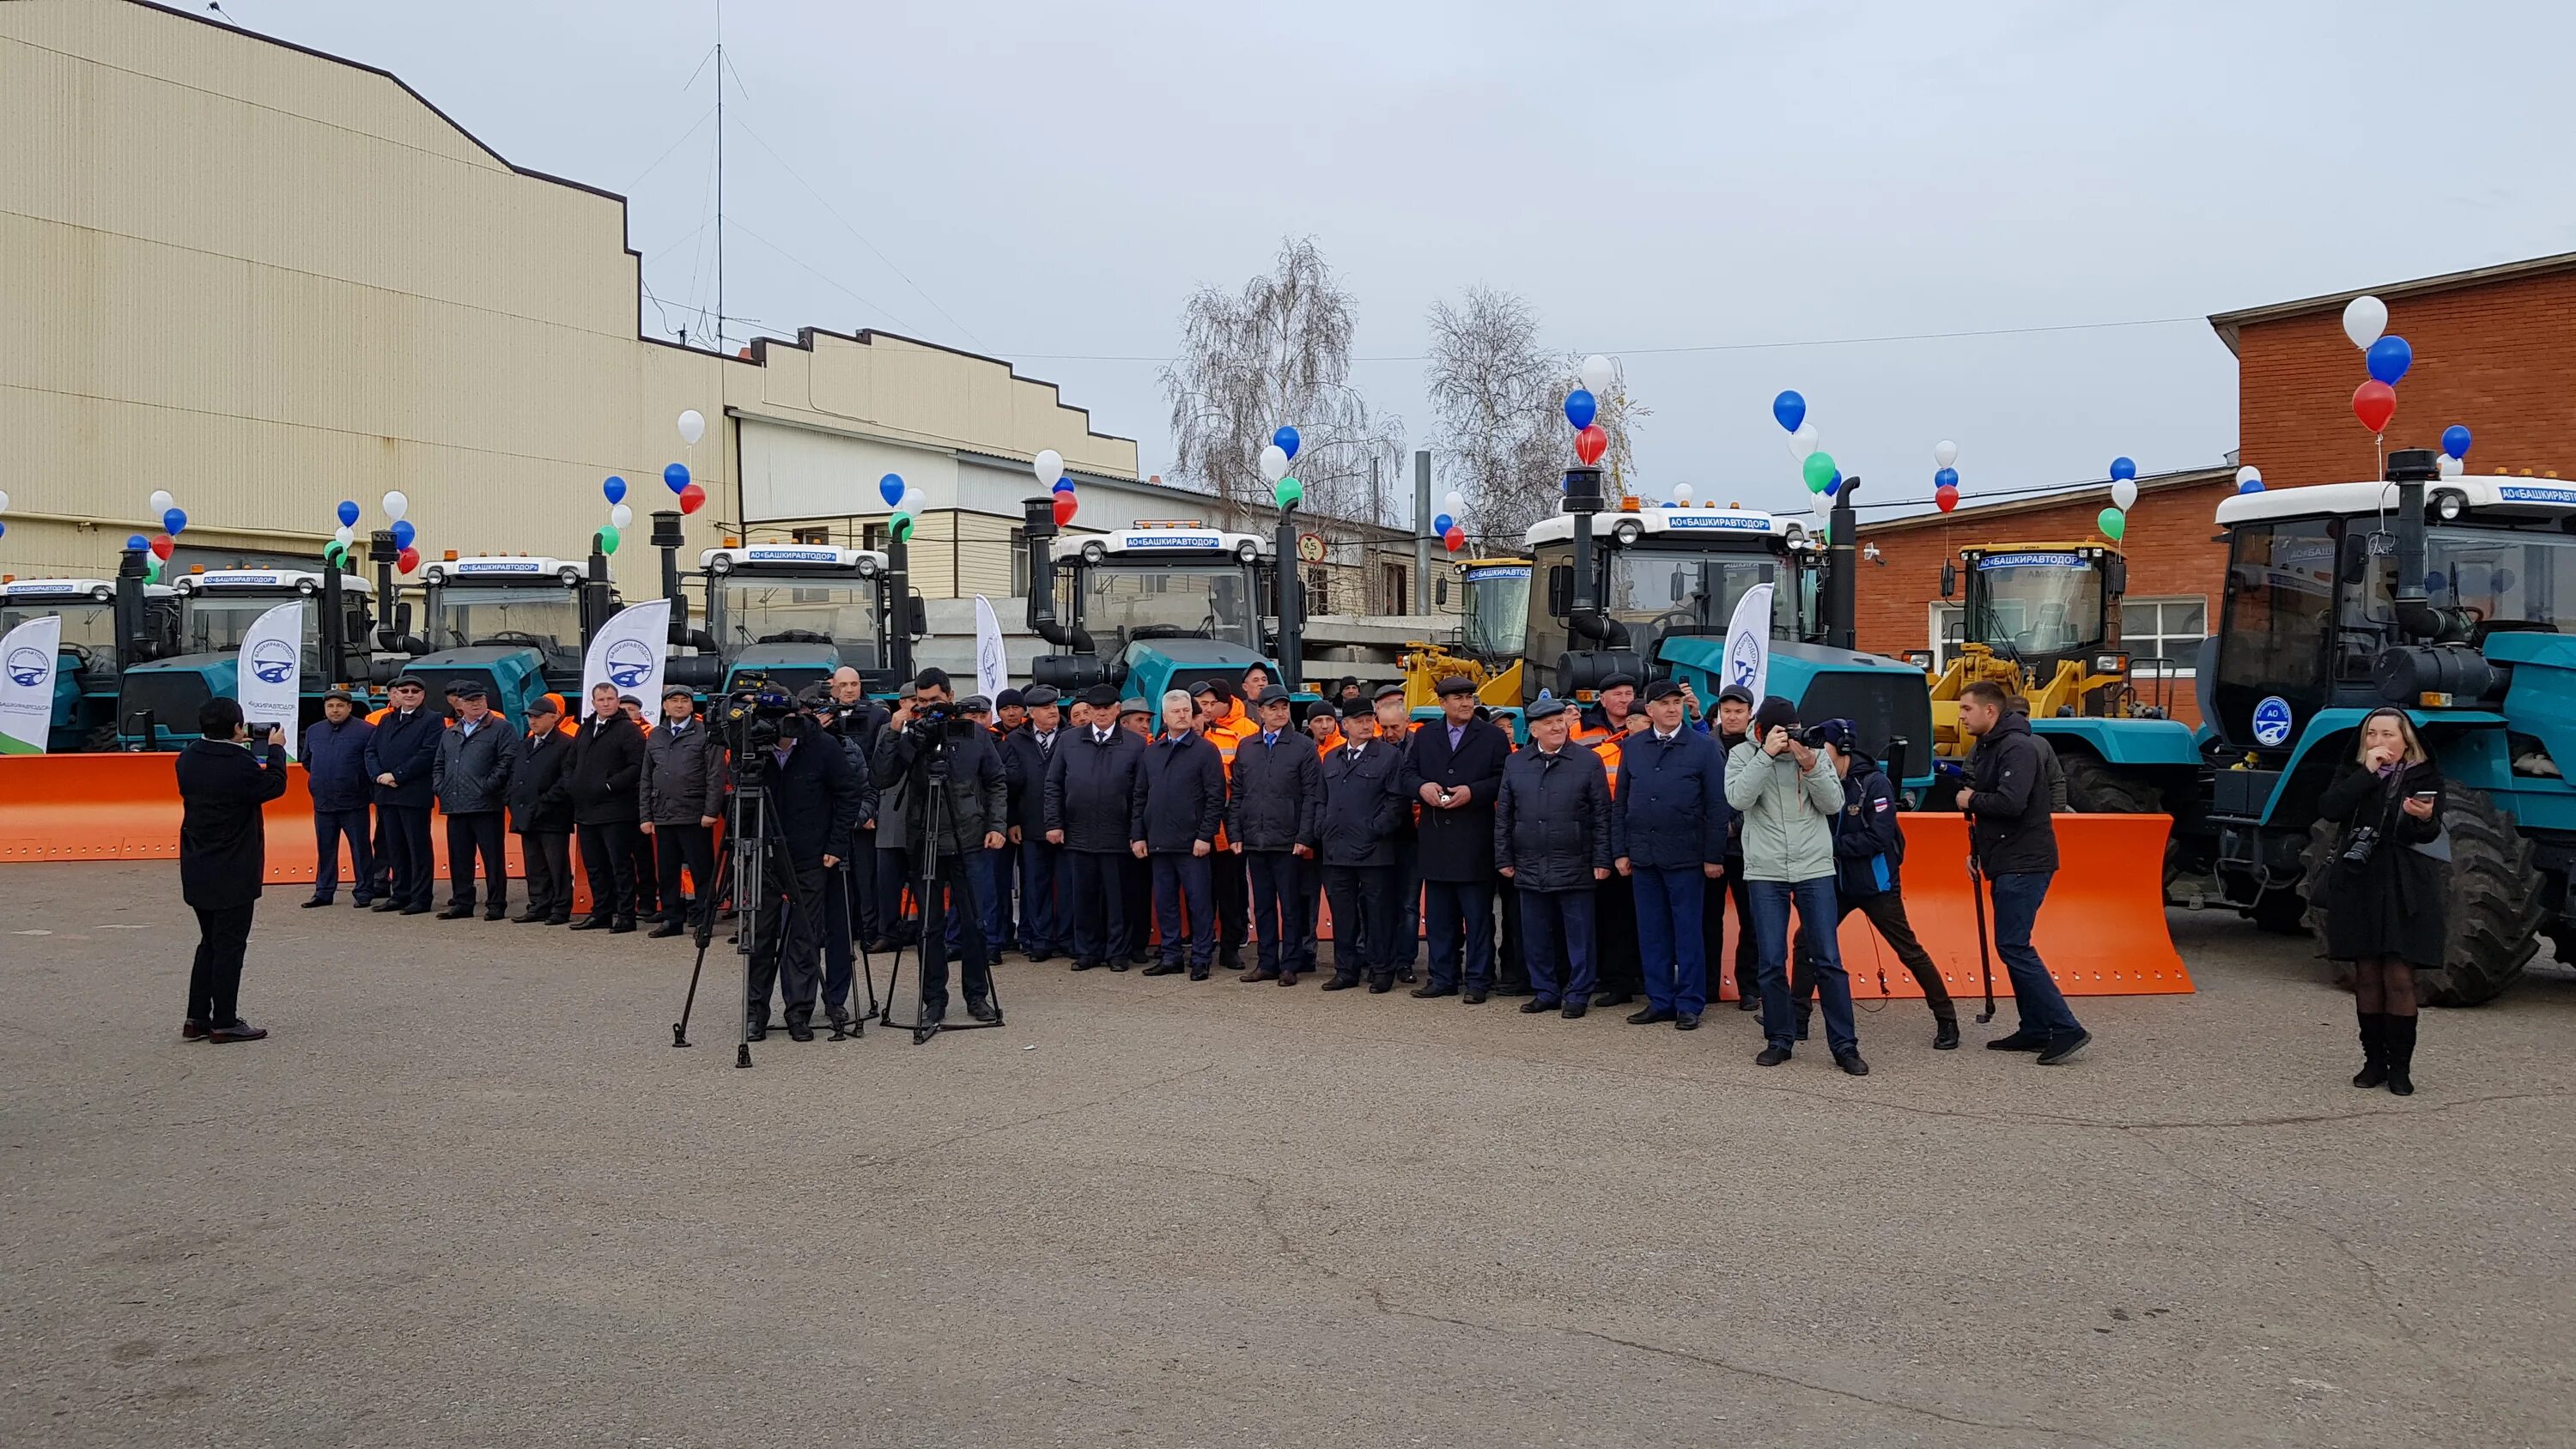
[1452, 912]
[328, 828]
[1556, 940]
[1044, 927]
[1669, 948]
[1818, 912]
[1182, 883]
[2035, 994]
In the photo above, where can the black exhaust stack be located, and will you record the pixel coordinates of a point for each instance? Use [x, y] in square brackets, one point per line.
[1079, 666]
[1842, 570]
[1291, 599]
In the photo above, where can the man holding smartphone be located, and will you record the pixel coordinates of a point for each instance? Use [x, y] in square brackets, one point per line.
[223, 856]
[1789, 795]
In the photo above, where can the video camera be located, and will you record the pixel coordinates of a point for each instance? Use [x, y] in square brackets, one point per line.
[754, 716]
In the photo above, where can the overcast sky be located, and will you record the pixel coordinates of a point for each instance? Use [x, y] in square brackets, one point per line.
[1048, 182]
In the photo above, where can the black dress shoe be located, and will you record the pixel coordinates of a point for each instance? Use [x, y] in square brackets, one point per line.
[1340, 983]
[1475, 996]
[192, 1030]
[1380, 985]
[665, 930]
[497, 913]
[1771, 1056]
[1080, 965]
[982, 1009]
[529, 918]
[1287, 978]
[1945, 1034]
[1573, 1010]
[838, 1017]
[1198, 973]
[1121, 964]
[362, 902]
[1163, 968]
[318, 901]
[1613, 998]
[1649, 1016]
[1850, 1062]
[564, 920]
[759, 1029]
[413, 911]
[1748, 1003]
[1686, 1021]
[235, 1030]
[1259, 973]
[1404, 974]
[1428, 991]
[387, 904]
[591, 923]
[2064, 1044]
[800, 1028]
[625, 924]
[1231, 960]
[455, 913]
[2020, 1041]
[1537, 1004]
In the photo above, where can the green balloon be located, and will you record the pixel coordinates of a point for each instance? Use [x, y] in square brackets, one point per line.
[1290, 491]
[608, 539]
[331, 552]
[2113, 523]
[1820, 471]
[902, 528]
[152, 573]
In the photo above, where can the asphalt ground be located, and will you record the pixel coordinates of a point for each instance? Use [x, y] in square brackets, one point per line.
[470, 1194]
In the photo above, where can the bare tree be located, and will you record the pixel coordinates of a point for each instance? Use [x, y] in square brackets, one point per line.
[1279, 354]
[1500, 400]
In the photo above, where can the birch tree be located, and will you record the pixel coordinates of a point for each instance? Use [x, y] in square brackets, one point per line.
[1499, 398]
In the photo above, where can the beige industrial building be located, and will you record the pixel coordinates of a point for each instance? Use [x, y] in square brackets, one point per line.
[267, 279]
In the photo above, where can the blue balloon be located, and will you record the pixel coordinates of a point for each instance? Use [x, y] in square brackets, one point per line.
[2389, 359]
[2433, 582]
[1790, 409]
[2122, 468]
[348, 514]
[2455, 441]
[615, 488]
[1580, 409]
[404, 533]
[676, 477]
[135, 541]
[1946, 478]
[890, 488]
[1440, 522]
[1064, 484]
[1287, 441]
[2250, 485]
[1834, 484]
[174, 522]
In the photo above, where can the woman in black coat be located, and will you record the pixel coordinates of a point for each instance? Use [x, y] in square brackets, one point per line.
[2383, 907]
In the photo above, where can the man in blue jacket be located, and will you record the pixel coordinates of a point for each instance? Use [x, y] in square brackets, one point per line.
[1277, 794]
[401, 756]
[1868, 848]
[1669, 828]
[1089, 808]
[335, 771]
[1180, 795]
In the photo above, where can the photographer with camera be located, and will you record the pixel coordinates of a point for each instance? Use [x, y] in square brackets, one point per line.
[839, 916]
[2013, 845]
[1789, 795]
[937, 772]
[1868, 849]
[809, 803]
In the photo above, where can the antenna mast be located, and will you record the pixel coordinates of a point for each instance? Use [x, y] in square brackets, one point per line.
[720, 89]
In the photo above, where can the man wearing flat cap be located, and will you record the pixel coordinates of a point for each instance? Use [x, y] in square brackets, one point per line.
[1453, 767]
[1092, 811]
[400, 757]
[1552, 844]
[1027, 754]
[1278, 801]
[1395, 728]
[1364, 796]
[684, 792]
[1669, 828]
[471, 778]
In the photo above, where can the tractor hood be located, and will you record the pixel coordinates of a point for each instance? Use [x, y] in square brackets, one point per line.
[1886, 699]
[789, 666]
[1156, 665]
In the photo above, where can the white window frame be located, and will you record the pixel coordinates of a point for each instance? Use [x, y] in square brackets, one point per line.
[2184, 660]
[1944, 614]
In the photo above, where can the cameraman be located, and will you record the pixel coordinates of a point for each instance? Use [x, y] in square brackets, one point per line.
[813, 808]
[1789, 796]
[939, 774]
[842, 884]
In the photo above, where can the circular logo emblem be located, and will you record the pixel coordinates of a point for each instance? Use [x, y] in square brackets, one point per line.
[28, 667]
[630, 663]
[2272, 721]
[272, 660]
[1743, 658]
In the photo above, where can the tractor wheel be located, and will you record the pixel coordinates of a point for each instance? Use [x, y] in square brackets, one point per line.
[2094, 788]
[102, 740]
[2282, 912]
[2492, 899]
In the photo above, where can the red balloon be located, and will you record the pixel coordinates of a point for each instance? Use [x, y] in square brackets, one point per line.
[1455, 538]
[1065, 504]
[409, 560]
[164, 546]
[2374, 402]
[1590, 444]
[692, 498]
[1945, 498]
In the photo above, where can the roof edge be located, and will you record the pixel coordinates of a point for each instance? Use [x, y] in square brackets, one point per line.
[2226, 324]
[2057, 498]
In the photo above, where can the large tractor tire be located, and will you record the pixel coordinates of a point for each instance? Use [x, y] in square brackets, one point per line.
[2492, 902]
[2094, 788]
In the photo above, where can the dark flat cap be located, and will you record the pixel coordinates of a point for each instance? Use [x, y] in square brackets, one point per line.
[464, 689]
[677, 691]
[1273, 695]
[1548, 708]
[1037, 696]
[1353, 709]
[1384, 690]
[544, 704]
[1101, 696]
[630, 699]
[1618, 681]
[1010, 698]
[341, 695]
[1455, 684]
[1738, 693]
[974, 704]
[406, 681]
[1661, 689]
[1221, 688]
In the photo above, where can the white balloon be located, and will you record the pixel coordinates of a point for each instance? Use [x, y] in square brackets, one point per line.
[1597, 375]
[693, 426]
[1457, 502]
[1681, 493]
[621, 515]
[4, 502]
[1050, 466]
[344, 535]
[1274, 463]
[2451, 468]
[2364, 318]
[1802, 442]
[2248, 474]
[1945, 454]
[396, 505]
[2124, 493]
[162, 502]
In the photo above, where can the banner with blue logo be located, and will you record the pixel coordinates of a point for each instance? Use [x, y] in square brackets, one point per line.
[27, 662]
[1748, 644]
[628, 652]
[269, 681]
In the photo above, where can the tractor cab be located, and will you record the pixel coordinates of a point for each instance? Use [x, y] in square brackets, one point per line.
[1653, 592]
[158, 700]
[509, 622]
[1493, 627]
[1161, 603]
[796, 612]
[102, 633]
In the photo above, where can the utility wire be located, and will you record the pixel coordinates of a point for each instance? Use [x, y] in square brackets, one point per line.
[820, 276]
[666, 153]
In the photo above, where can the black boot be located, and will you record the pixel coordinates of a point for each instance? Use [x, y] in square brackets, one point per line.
[2374, 1049]
[2401, 1054]
[1945, 1033]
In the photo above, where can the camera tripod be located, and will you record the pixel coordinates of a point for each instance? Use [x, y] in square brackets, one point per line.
[751, 831]
[928, 781]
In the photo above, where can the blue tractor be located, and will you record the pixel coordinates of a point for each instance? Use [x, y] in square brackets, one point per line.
[158, 699]
[798, 612]
[2453, 598]
[1161, 604]
[514, 624]
[108, 626]
[1651, 592]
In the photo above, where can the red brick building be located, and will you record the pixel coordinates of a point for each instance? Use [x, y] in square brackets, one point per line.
[2495, 349]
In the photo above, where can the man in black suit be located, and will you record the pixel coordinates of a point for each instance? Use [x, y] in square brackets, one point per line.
[606, 785]
[541, 815]
[1363, 784]
[1455, 767]
[1028, 753]
[1089, 808]
[402, 755]
[813, 812]
[223, 856]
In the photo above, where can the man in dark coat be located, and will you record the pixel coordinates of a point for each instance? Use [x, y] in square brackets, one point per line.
[1395, 729]
[1089, 808]
[1668, 830]
[683, 798]
[2011, 840]
[1363, 782]
[858, 720]
[606, 788]
[1180, 795]
[841, 922]
[1552, 842]
[541, 814]
[1027, 754]
[1729, 725]
[1604, 729]
[944, 825]
[335, 772]
[223, 856]
[1455, 767]
[1136, 872]
[475, 757]
[813, 809]
[402, 754]
[1277, 800]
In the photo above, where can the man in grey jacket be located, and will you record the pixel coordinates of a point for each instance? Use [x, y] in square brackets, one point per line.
[1788, 794]
[684, 791]
[471, 778]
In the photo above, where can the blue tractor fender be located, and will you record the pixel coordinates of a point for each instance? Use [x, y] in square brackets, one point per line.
[2470, 744]
[1829, 680]
[2140, 743]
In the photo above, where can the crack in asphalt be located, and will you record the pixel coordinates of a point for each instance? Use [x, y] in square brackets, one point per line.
[996, 1128]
